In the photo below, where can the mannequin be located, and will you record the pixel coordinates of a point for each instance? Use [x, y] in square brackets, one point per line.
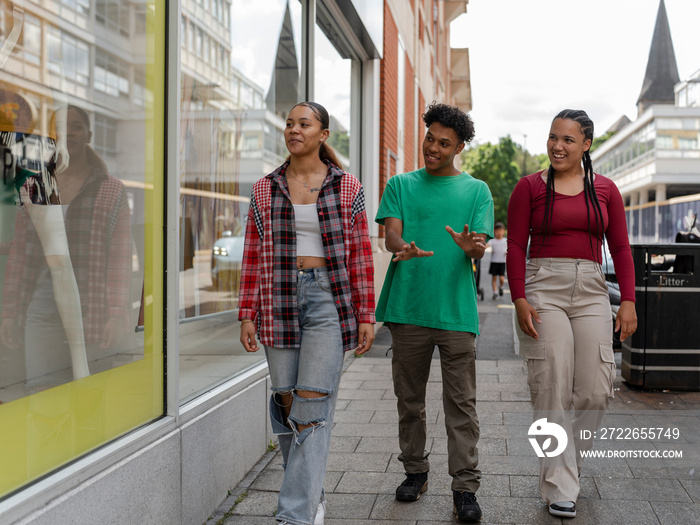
[39, 193]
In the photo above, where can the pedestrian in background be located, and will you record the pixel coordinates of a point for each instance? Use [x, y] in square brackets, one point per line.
[561, 299]
[429, 299]
[307, 289]
[497, 266]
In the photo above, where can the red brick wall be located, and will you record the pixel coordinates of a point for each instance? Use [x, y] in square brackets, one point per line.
[388, 99]
[410, 120]
[421, 127]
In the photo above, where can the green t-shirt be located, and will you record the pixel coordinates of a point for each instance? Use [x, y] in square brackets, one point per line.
[436, 291]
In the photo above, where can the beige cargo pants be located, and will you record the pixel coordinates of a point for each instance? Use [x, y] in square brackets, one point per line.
[571, 366]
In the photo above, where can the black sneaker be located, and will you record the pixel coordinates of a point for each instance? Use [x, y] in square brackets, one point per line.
[563, 509]
[500, 291]
[465, 506]
[412, 487]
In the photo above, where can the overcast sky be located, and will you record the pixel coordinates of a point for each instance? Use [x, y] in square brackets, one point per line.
[529, 60]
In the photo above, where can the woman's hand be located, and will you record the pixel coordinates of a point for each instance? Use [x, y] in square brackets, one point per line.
[365, 336]
[248, 336]
[526, 313]
[626, 320]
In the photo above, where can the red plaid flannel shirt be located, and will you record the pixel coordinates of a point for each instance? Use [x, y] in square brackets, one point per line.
[268, 292]
[99, 241]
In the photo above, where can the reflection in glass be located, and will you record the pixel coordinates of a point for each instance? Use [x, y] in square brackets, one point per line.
[68, 276]
[77, 198]
[332, 88]
[234, 103]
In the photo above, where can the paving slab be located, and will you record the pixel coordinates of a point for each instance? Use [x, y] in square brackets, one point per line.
[364, 471]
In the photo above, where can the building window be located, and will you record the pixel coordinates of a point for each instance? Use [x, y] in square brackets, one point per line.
[664, 141]
[68, 57]
[139, 87]
[688, 143]
[111, 75]
[198, 42]
[31, 39]
[212, 56]
[115, 16]
[140, 19]
[79, 6]
[105, 136]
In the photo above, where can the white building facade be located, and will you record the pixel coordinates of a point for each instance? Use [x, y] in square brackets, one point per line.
[655, 162]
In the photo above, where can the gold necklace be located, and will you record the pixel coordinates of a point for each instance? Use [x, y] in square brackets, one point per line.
[305, 184]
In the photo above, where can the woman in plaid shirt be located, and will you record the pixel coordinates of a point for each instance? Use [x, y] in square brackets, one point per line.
[307, 290]
[68, 275]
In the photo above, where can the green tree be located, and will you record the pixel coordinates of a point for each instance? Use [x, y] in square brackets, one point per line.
[598, 141]
[496, 165]
[532, 163]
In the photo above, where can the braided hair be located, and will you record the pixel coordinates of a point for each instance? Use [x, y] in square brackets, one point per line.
[586, 124]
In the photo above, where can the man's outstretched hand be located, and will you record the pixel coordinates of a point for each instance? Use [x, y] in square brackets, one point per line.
[409, 251]
[472, 243]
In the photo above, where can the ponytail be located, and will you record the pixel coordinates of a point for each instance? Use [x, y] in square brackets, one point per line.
[326, 153]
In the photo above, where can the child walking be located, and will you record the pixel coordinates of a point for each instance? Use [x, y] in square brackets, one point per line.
[497, 268]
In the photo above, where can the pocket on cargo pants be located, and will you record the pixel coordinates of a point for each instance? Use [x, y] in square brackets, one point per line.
[535, 354]
[605, 375]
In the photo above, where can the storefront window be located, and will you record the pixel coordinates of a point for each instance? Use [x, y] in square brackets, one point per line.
[234, 104]
[332, 91]
[81, 207]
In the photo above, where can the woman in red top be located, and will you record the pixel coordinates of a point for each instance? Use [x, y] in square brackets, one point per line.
[561, 299]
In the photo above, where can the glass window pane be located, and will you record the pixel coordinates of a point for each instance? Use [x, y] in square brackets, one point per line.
[32, 39]
[224, 150]
[81, 246]
[332, 89]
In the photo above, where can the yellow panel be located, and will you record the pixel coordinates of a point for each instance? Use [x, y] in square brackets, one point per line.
[41, 432]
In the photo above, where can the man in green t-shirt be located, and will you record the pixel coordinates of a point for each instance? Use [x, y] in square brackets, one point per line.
[436, 220]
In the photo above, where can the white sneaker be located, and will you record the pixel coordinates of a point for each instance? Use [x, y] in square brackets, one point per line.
[320, 513]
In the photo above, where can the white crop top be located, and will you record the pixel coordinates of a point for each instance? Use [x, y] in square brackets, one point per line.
[309, 242]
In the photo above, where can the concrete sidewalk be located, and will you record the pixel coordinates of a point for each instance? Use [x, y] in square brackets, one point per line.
[363, 470]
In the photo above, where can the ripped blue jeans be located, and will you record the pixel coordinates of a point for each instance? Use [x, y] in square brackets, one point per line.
[315, 366]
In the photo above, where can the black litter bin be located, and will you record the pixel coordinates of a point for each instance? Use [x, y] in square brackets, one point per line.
[664, 352]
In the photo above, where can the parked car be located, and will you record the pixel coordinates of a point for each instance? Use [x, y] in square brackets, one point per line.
[226, 260]
[613, 292]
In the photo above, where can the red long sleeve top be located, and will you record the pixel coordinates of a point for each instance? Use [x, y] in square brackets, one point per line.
[569, 236]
